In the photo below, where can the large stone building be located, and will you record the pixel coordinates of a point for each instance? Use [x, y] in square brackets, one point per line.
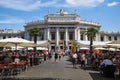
[63, 28]
[9, 33]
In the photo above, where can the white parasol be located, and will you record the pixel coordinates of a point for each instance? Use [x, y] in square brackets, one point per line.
[16, 42]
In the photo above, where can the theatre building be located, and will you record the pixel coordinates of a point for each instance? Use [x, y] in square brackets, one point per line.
[62, 28]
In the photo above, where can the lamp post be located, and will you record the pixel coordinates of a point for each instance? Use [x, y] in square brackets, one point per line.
[76, 48]
[48, 44]
[76, 45]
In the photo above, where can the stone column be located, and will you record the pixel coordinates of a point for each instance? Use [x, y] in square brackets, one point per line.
[86, 38]
[78, 35]
[97, 38]
[27, 36]
[48, 33]
[105, 38]
[66, 36]
[45, 34]
[75, 33]
[57, 36]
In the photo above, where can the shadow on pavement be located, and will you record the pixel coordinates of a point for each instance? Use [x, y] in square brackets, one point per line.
[98, 76]
[33, 79]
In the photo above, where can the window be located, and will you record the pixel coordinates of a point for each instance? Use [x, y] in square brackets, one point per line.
[62, 36]
[109, 38]
[30, 38]
[22, 37]
[81, 36]
[102, 38]
[115, 38]
[53, 36]
[4, 37]
[9, 36]
[70, 36]
[42, 37]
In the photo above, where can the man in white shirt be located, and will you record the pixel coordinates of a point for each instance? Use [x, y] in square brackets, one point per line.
[17, 60]
[107, 62]
[74, 60]
[107, 68]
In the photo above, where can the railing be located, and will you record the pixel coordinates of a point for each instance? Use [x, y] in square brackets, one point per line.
[89, 22]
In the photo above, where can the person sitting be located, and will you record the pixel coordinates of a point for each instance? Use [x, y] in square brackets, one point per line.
[6, 60]
[107, 61]
[107, 67]
[17, 60]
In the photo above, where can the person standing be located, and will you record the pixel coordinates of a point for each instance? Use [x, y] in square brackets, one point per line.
[49, 55]
[56, 56]
[45, 56]
[74, 60]
[31, 59]
[83, 58]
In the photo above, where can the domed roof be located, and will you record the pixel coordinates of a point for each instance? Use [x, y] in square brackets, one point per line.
[61, 11]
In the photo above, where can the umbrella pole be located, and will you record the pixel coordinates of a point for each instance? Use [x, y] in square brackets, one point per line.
[16, 48]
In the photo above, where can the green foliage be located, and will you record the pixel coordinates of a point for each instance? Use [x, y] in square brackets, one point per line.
[36, 32]
[74, 45]
[91, 33]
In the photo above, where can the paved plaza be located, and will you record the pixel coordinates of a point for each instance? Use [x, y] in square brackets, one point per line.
[60, 70]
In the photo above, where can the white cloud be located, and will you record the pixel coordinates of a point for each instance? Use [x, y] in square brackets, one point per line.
[84, 3]
[11, 21]
[30, 5]
[112, 4]
[25, 5]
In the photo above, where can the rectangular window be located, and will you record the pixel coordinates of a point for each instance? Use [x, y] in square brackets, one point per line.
[62, 36]
[71, 36]
[81, 36]
[42, 37]
[109, 38]
[102, 38]
[53, 36]
[115, 38]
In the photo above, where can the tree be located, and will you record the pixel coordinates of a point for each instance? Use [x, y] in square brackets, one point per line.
[35, 32]
[91, 34]
[74, 45]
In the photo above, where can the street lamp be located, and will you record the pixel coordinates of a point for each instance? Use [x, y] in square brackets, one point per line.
[76, 45]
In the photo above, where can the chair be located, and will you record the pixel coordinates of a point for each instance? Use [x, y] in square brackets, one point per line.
[116, 74]
[1, 69]
[117, 71]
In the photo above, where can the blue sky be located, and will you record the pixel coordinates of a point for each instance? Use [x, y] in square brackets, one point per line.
[15, 13]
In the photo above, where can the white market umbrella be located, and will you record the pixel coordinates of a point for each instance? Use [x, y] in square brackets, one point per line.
[115, 44]
[84, 48]
[16, 42]
[42, 43]
[38, 48]
[100, 48]
[95, 43]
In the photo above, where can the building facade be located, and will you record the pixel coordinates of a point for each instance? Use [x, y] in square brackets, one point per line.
[62, 29]
[9, 33]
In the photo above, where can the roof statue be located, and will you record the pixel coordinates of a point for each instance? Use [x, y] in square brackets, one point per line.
[61, 11]
[75, 11]
[48, 11]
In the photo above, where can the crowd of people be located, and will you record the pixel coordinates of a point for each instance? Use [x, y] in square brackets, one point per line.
[97, 61]
[101, 61]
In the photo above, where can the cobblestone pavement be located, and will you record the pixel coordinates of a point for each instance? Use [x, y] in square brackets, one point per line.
[60, 70]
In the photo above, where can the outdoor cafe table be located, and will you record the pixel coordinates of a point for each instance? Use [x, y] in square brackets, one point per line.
[10, 68]
[21, 66]
[6, 69]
